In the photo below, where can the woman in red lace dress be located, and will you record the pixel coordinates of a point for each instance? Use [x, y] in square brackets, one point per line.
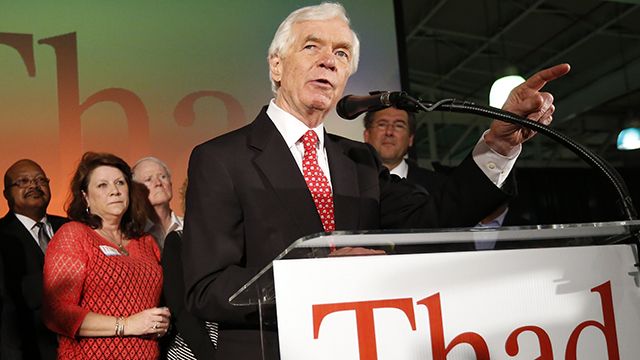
[102, 277]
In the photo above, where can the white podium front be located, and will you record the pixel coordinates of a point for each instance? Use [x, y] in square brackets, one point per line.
[556, 292]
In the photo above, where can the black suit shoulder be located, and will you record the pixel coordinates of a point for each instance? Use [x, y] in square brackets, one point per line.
[430, 180]
[10, 223]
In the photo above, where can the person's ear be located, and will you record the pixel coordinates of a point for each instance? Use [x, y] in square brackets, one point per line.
[411, 140]
[275, 67]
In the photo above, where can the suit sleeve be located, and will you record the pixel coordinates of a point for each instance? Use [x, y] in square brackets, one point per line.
[10, 341]
[213, 243]
[462, 200]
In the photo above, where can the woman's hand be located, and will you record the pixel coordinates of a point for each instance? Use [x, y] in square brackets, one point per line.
[153, 321]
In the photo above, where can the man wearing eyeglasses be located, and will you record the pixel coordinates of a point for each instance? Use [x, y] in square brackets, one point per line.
[391, 131]
[24, 234]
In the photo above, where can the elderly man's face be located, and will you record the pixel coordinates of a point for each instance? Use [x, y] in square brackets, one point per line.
[314, 71]
[389, 134]
[157, 180]
[28, 191]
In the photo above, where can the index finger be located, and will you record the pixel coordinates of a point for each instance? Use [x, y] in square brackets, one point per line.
[542, 77]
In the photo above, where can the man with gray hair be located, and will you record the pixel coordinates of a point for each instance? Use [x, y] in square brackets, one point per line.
[254, 191]
[155, 175]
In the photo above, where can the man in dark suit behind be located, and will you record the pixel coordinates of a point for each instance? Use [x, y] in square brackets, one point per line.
[391, 132]
[22, 244]
[254, 191]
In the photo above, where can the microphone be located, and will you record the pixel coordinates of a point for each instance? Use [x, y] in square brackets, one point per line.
[351, 106]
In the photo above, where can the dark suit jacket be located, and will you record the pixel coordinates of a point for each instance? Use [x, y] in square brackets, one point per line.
[191, 329]
[247, 201]
[24, 336]
[432, 181]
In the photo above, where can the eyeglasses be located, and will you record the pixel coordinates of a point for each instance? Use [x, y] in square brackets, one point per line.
[25, 182]
[395, 125]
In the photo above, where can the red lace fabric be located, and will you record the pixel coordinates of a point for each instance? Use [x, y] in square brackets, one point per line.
[79, 278]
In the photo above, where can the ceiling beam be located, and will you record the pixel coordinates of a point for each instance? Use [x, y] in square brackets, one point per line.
[495, 37]
[424, 20]
[608, 87]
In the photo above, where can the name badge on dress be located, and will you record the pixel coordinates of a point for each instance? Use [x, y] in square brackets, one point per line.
[109, 251]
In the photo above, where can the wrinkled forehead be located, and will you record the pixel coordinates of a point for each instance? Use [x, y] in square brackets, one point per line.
[335, 30]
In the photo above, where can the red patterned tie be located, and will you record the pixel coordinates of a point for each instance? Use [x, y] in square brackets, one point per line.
[317, 181]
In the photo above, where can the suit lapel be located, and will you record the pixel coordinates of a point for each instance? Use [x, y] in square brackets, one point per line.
[17, 230]
[344, 182]
[275, 161]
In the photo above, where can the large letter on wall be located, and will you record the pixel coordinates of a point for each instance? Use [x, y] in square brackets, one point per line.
[70, 109]
[185, 115]
[23, 43]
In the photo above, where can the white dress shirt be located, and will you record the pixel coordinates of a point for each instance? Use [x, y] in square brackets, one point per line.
[30, 225]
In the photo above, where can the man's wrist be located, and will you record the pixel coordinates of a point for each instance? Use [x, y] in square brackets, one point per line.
[498, 145]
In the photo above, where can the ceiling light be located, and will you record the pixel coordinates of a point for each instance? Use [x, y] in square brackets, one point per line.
[501, 88]
[629, 139]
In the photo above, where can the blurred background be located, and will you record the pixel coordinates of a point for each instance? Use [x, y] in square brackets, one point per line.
[457, 49]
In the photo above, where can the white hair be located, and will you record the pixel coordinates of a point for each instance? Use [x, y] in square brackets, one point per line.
[150, 158]
[283, 38]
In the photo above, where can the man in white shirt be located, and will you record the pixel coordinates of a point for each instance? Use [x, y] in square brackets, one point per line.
[155, 175]
[254, 191]
[24, 234]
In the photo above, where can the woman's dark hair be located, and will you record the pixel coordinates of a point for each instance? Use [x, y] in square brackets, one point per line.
[134, 219]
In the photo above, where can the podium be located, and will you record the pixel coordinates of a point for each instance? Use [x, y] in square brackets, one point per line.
[568, 291]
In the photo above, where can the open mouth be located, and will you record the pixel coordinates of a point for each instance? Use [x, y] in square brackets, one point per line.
[323, 82]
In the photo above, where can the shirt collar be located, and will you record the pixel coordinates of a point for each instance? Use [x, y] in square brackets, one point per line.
[401, 169]
[28, 222]
[176, 222]
[290, 127]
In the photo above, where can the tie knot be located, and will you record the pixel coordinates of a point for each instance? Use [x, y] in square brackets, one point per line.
[309, 140]
[39, 225]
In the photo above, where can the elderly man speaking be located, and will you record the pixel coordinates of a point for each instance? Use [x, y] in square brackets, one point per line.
[253, 191]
